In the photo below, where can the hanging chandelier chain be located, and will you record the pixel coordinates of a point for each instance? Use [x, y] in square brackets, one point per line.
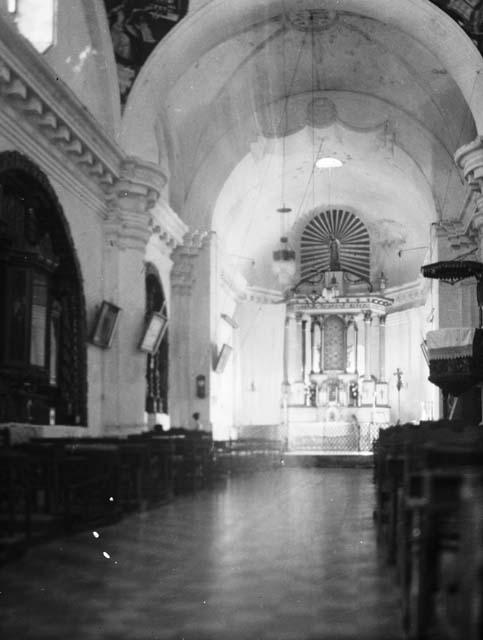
[287, 94]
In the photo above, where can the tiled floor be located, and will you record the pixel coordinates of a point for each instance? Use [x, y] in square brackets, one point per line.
[282, 555]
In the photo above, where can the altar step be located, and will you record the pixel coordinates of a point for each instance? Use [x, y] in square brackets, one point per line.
[330, 459]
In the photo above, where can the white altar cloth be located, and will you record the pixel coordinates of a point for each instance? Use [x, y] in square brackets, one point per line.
[453, 342]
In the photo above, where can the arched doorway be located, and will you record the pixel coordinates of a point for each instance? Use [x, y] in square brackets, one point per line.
[156, 363]
[42, 320]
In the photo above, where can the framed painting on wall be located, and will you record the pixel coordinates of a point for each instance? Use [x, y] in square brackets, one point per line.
[222, 358]
[154, 333]
[105, 325]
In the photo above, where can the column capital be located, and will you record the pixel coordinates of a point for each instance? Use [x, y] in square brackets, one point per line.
[382, 320]
[367, 317]
[469, 158]
[130, 200]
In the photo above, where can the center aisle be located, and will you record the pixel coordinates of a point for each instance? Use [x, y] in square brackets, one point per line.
[282, 555]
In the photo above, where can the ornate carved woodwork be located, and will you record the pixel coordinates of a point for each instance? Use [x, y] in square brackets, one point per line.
[42, 323]
[335, 240]
[334, 345]
[157, 363]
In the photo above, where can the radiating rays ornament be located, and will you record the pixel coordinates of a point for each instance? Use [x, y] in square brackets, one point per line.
[335, 240]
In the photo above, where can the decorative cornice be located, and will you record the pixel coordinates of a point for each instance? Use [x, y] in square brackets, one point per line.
[350, 304]
[167, 225]
[29, 86]
[460, 237]
[131, 198]
[408, 296]
[196, 239]
[46, 113]
[263, 296]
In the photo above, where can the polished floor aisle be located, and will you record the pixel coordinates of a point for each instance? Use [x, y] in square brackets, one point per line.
[282, 555]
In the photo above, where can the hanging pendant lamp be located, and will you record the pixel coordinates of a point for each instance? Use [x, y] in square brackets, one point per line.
[284, 262]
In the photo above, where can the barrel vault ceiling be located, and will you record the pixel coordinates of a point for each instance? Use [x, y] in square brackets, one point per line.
[240, 127]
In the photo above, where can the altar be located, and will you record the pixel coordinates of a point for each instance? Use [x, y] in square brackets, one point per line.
[335, 392]
[335, 429]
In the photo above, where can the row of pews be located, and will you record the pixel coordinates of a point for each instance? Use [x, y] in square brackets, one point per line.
[56, 486]
[429, 518]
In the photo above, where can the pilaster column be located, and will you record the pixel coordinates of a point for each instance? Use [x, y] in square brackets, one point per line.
[344, 344]
[180, 384]
[367, 343]
[469, 159]
[322, 343]
[286, 342]
[312, 344]
[382, 348]
[356, 340]
[299, 374]
[293, 355]
[306, 347]
[315, 347]
[127, 231]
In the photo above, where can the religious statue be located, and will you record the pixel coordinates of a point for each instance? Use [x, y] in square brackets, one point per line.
[334, 255]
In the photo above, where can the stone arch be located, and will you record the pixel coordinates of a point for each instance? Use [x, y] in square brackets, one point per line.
[195, 35]
[40, 268]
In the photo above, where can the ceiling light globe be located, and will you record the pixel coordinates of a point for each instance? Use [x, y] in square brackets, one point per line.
[328, 162]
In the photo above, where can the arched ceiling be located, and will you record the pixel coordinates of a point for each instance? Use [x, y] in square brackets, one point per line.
[331, 82]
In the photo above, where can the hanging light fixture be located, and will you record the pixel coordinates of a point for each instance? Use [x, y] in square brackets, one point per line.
[328, 162]
[284, 264]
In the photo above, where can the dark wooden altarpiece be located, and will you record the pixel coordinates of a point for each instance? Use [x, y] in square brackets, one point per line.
[157, 363]
[42, 315]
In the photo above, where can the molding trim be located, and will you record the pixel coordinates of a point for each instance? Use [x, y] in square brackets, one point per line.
[167, 225]
[45, 116]
[264, 296]
[407, 296]
[29, 86]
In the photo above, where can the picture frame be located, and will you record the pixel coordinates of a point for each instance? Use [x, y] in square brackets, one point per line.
[368, 390]
[223, 358]
[382, 395]
[105, 325]
[153, 333]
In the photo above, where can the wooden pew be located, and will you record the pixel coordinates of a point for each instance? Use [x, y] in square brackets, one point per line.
[420, 474]
[248, 455]
[91, 483]
[15, 507]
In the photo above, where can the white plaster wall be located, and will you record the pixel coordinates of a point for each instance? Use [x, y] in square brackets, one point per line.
[191, 352]
[405, 331]
[261, 367]
[224, 383]
[82, 57]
